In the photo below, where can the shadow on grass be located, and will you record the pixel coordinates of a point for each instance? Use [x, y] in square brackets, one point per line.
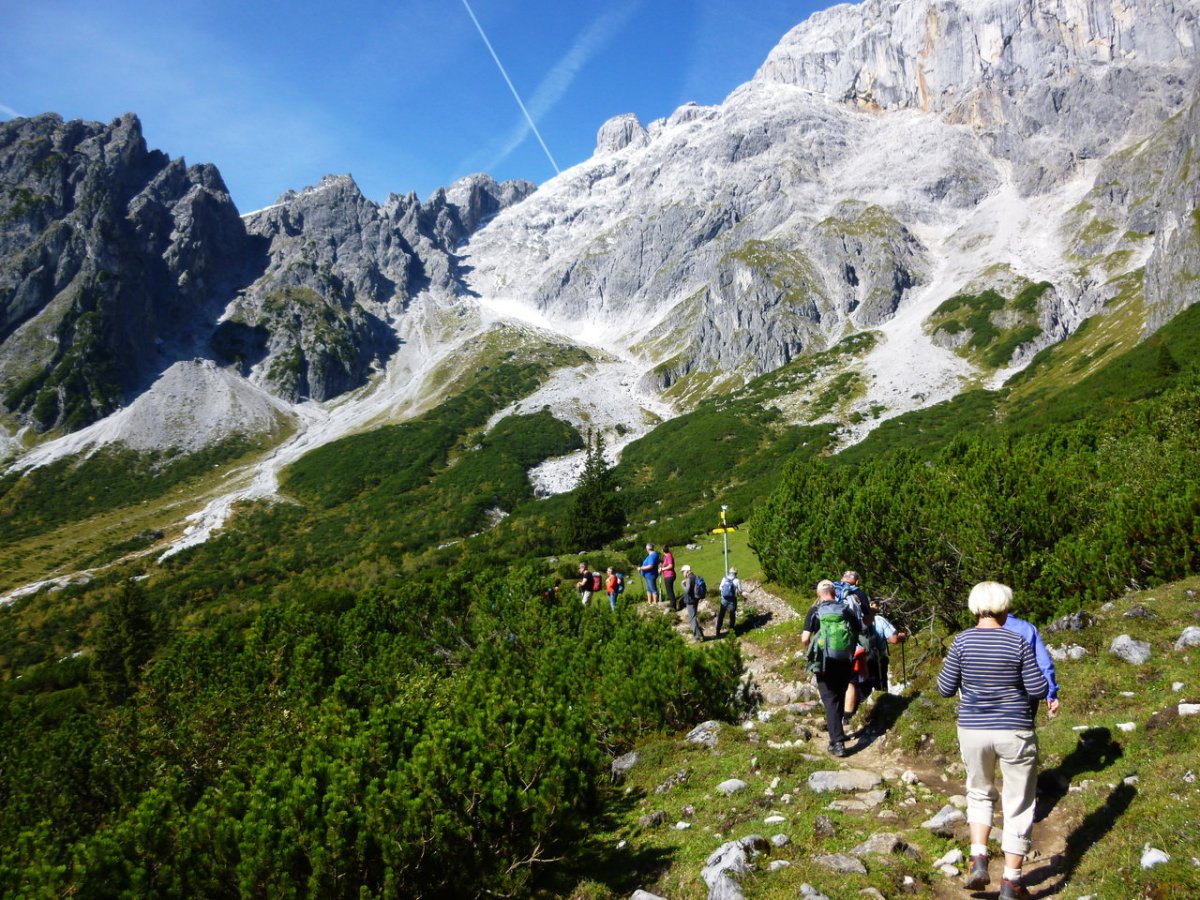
[599, 860]
[1086, 834]
[1095, 752]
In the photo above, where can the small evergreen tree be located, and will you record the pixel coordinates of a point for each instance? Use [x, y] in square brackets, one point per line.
[124, 642]
[597, 514]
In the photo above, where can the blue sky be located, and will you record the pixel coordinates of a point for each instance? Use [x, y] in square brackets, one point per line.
[404, 95]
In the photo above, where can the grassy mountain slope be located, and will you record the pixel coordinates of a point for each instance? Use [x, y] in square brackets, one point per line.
[335, 670]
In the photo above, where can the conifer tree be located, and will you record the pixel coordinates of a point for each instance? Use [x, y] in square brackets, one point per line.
[124, 642]
[597, 514]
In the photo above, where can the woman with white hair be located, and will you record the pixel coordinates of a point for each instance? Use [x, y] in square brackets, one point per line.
[996, 675]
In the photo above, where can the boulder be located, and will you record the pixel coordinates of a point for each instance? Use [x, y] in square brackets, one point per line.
[848, 780]
[885, 843]
[1189, 638]
[728, 863]
[731, 786]
[1076, 621]
[653, 819]
[841, 862]
[1140, 612]
[704, 734]
[621, 765]
[1131, 650]
[943, 823]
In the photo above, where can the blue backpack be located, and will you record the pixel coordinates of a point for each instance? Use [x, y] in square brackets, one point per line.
[701, 588]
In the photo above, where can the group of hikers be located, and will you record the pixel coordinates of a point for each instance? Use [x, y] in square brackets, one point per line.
[1001, 671]
[662, 565]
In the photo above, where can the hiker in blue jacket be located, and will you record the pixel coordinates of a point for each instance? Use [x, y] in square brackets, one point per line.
[649, 570]
[1044, 661]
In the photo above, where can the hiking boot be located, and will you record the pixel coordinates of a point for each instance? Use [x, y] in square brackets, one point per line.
[1012, 890]
[838, 749]
[978, 876]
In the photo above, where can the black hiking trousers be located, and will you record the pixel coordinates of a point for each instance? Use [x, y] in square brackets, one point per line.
[832, 682]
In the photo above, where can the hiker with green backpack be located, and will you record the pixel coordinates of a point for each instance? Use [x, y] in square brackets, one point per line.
[831, 631]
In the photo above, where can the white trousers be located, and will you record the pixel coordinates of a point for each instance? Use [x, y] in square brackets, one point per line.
[1017, 753]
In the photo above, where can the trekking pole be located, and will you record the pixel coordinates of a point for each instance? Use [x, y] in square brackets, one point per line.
[904, 663]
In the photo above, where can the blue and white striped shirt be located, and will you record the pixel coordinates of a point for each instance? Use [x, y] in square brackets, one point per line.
[997, 674]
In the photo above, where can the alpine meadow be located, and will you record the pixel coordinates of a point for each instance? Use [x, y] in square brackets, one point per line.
[296, 503]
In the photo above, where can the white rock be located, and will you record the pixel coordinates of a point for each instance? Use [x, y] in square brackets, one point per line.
[1126, 726]
[1132, 779]
[945, 817]
[910, 777]
[731, 786]
[1189, 709]
[776, 864]
[1189, 638]
[950, 871]
[1128, 694]
[1152, 856]
[1177, 686]
[774, 820]
[1132, 651]
[682, 826]
[950, 859]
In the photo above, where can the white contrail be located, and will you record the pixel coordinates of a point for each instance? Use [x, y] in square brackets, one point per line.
[500, 66]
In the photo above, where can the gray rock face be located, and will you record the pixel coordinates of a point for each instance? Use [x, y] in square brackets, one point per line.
[114, 260]
[1007, 68]
[621, 132]
[133, 262]
[339, 269]
[1131, 650]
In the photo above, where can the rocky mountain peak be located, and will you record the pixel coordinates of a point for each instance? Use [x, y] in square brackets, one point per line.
[620, 132]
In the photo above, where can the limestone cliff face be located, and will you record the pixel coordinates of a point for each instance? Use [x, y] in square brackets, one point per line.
[882, 156]
[1173, 269]
[112, 259]
[1048, 82]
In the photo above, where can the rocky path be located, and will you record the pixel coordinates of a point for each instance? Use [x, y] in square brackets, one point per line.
[784, 688]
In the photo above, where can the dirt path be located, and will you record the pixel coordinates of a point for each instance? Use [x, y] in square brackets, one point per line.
[877, 750]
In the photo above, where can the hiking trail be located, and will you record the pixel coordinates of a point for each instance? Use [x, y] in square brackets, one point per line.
[873, 745]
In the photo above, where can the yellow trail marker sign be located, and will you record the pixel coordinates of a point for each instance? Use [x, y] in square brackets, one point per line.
[724, 529]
